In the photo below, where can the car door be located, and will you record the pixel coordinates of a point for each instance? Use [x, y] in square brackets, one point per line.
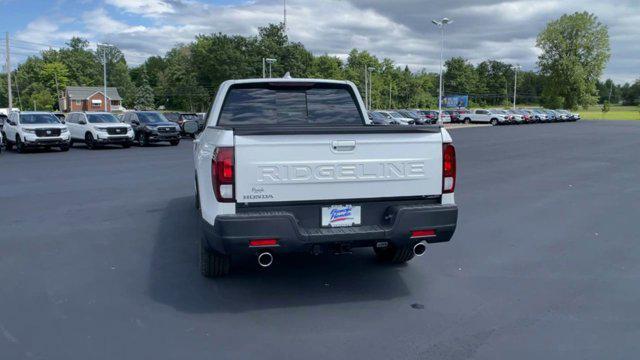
[71, 125]
[10, 127]
[484, 116]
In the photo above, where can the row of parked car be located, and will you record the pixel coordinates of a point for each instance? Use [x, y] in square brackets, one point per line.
[33, 129]
[490, 116]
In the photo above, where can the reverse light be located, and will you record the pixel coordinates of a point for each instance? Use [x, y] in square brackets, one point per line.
[222, 174]
[448, 168]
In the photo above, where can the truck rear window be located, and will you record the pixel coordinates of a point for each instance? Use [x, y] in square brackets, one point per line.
[274, 104]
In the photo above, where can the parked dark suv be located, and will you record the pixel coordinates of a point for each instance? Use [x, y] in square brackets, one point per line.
[180, 118]
[151, 127]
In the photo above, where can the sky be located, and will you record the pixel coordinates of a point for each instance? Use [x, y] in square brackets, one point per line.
[397, 29]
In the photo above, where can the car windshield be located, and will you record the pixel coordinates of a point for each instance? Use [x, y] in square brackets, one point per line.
[395, 114]
[38, 119]
[151, 117]
[291, 104]
[190, 116]
[171, 116]
[102, 118]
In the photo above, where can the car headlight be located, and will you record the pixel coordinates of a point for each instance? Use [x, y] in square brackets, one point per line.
[29, 131]
[101, 129]
[64, 130]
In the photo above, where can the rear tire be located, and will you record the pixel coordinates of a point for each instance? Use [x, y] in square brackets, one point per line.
[126, 145]
[213, 265]
[64, 148]
[467, 121]
[174, 142]
[394, 255]
[494, 122]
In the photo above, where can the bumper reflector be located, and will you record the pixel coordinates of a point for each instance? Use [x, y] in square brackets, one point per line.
[263, 242]
[422, 233]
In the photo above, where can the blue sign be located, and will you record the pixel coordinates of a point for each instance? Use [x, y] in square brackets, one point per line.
[455, 101]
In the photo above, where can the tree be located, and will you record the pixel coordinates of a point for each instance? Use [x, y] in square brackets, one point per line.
[606, 107]
[575, 50]
[144, 94]
[460, 76]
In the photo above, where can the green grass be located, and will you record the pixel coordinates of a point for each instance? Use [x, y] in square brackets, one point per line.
[617, 112]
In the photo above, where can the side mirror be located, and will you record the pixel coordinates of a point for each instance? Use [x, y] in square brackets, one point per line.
[190, 127]
[135, 122]
[82, 122]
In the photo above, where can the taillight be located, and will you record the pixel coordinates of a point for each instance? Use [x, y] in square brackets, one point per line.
[448, 168]
[222, 174]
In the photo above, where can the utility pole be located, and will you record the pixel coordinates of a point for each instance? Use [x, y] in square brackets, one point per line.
[8, 69]
[264, 68]
[285, 15]
[515, 84]
[366, 88]
[389, 94]
[55, 76]
[370, 71]
[35, 108]
[441, 24]
[104, 69]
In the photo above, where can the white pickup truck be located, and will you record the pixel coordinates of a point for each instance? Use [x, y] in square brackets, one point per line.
[295, 165]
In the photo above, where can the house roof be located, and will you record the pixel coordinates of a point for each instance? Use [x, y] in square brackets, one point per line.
[83, 92]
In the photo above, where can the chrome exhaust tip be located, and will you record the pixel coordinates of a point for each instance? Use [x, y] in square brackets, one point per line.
[265, 259]
[419, 249]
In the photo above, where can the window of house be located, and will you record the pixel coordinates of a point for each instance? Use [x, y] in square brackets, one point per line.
[77, 102]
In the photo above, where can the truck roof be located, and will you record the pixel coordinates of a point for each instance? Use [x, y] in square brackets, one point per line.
[285, 80]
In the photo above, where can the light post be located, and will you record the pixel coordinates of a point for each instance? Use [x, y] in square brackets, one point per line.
[370, 70]
[515, 83]
[104, 72]
[269, 61]
[441, 24]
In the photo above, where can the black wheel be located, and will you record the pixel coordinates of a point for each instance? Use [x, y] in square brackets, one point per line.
[467, 121]
[394, 255]
[213, 265]
[126, 145]
[193, 136]
[494, 122]
[88, 140]
[70, 143]
[64, 148]
[143, 139]
[7, 144]
[174, 142]
[20, 145]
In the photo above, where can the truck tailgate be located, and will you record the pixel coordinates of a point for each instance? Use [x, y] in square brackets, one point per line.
[325, 166]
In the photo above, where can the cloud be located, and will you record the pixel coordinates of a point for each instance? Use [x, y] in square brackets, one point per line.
[144, 7]
[398, 29]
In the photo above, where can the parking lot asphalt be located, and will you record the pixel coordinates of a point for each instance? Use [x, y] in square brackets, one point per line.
[98, 260]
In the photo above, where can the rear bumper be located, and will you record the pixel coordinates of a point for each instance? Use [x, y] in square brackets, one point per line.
[231, 233]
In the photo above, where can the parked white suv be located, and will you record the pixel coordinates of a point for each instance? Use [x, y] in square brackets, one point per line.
[485, 116]
[295, 165]
[98, 128]
[29, 129]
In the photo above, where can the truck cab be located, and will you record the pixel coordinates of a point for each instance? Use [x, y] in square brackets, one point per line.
[288, 166]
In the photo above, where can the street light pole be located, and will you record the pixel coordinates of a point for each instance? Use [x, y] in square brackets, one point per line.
[104, 72]
[370, 70]
[515, 84]
[441, 24]
[366, 88]
[270, 61]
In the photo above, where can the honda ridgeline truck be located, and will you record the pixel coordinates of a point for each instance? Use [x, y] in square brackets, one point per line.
[295, 165]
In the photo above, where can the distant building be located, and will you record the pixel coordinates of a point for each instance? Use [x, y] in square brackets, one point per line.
[90, 98]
